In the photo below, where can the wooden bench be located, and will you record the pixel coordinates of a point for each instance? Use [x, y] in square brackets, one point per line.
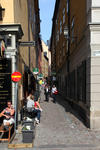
[3, 131]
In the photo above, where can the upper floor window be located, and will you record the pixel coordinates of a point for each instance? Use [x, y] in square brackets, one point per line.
[57, 36]
[60, 27]
[67, 6]
[30, 11]
[1, 12]
[72, 28]
[34, 19]
[56, 21]
[63, 15]
[45, 53]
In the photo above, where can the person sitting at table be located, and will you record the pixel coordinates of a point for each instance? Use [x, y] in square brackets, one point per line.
[8, 113]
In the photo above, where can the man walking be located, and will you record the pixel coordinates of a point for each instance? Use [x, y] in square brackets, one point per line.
[46, 92]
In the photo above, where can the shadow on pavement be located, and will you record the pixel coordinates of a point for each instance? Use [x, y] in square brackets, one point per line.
[71, 109]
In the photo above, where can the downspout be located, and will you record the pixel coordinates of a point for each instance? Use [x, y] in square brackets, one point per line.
[28, 3]
[68, 65]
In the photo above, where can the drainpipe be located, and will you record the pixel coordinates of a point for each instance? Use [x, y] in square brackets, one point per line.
[28, 3]
[68, 64]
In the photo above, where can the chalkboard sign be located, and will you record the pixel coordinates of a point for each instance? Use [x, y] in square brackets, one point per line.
[5, 82]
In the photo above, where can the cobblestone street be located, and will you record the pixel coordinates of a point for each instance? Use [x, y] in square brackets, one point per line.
[59, 129]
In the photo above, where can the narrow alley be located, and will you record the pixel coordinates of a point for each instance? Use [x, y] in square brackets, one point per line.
[50, 47]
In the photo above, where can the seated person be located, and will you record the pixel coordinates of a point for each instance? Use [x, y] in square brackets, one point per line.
[8, 113]
[30, 102]
[31, 108]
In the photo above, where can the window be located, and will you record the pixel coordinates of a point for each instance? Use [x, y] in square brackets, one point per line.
[63, 15]
[63, 49]
[30, 9]
[60, 27]
[81, 82]
[57, 36]
[56, 21]
[1, 12]
[34, 19]
[67, 6]
[45, 53]
[9, 42]
[72, 29]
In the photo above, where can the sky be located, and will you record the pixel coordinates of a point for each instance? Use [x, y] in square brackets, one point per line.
[46, 15]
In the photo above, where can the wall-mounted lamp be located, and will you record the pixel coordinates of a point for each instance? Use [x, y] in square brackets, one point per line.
[66, 34]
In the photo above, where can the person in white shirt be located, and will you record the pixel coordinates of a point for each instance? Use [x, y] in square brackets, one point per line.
[54, 89]
[30, 103]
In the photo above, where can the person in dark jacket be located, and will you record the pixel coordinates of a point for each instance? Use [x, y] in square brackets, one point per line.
[46, 92]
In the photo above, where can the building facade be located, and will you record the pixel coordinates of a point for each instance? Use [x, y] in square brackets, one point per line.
[20, 31]
[45, 60]
[77, 56]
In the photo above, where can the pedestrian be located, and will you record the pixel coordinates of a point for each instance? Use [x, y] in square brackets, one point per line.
[46, 92]
[54, 93]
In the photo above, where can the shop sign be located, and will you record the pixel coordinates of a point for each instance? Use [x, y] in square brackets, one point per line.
[40, 76]
[35, 70]
[53, 73]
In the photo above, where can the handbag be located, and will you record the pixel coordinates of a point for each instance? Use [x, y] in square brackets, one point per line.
[56, 92]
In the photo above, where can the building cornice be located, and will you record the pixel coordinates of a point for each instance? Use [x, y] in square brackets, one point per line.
[11, 28]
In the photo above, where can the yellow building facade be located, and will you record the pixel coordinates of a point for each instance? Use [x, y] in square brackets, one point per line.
[21, 18]
[45, 60]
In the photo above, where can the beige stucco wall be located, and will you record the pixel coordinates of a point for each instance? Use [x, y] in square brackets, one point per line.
[21, 16]
[8, 15]
[45, 63]
[45, 47]
[44, 66]
[16, 11]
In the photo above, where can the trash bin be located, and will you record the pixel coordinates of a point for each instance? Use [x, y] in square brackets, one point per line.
[27, 134]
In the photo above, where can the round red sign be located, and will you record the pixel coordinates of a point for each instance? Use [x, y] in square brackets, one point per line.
[16, 76]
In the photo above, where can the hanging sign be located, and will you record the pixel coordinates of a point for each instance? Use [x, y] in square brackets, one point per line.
[16, 76]
[35, 70]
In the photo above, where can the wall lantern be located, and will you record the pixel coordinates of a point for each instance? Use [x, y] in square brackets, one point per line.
[66, 32]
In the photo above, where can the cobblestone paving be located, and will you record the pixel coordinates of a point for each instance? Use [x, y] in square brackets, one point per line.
[59, 129]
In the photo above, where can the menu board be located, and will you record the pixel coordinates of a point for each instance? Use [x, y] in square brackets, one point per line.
[5, 82]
